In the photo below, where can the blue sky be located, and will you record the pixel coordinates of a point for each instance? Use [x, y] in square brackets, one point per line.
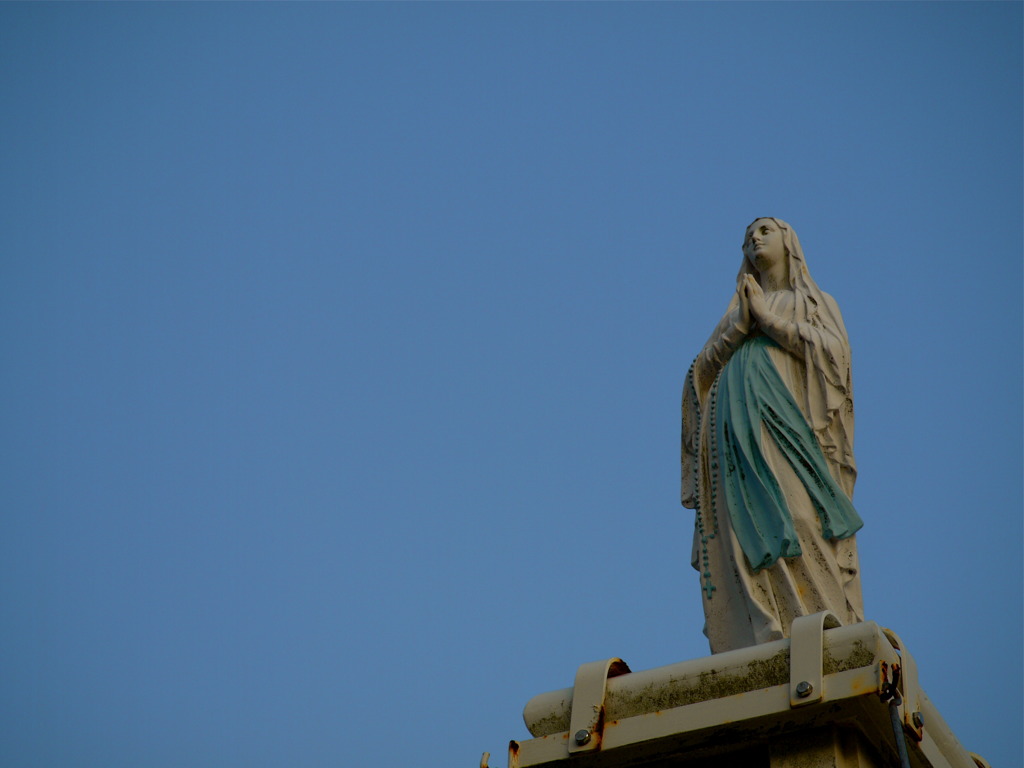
[343, 346]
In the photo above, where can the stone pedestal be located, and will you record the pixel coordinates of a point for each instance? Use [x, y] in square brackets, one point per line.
[830, 747]
[845, 697]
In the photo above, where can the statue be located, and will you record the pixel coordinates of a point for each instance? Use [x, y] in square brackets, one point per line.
[767, 452]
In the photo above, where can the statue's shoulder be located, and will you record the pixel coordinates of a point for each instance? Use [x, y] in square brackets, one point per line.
[830, 302]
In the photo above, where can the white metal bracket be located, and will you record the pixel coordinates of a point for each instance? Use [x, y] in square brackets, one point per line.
[586, 721]
[806, 658]
[913, 718]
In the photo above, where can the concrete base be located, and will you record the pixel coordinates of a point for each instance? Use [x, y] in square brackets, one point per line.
[830, 747]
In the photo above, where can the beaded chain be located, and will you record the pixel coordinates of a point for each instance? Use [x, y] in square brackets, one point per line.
[705, 536]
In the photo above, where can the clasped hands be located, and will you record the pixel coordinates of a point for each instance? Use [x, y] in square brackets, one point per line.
[753, 305]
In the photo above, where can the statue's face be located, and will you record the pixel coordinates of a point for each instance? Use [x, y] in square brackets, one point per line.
[763, 244]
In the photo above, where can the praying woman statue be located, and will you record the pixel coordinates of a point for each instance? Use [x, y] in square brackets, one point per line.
[767, 452]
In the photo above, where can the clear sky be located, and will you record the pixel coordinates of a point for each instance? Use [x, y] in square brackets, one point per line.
[342, 348]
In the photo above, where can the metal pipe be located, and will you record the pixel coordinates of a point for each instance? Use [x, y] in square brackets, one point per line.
[897, 729]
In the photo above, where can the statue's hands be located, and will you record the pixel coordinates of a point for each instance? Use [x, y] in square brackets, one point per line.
[743, 320]
[756, 301]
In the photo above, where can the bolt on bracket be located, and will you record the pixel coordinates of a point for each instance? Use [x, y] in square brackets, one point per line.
[806, 658]
[586, 721]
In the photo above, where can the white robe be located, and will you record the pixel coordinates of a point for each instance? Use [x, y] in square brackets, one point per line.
[746, 608]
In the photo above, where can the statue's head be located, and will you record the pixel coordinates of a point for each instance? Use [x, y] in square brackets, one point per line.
[769, 241]
[764, 245]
